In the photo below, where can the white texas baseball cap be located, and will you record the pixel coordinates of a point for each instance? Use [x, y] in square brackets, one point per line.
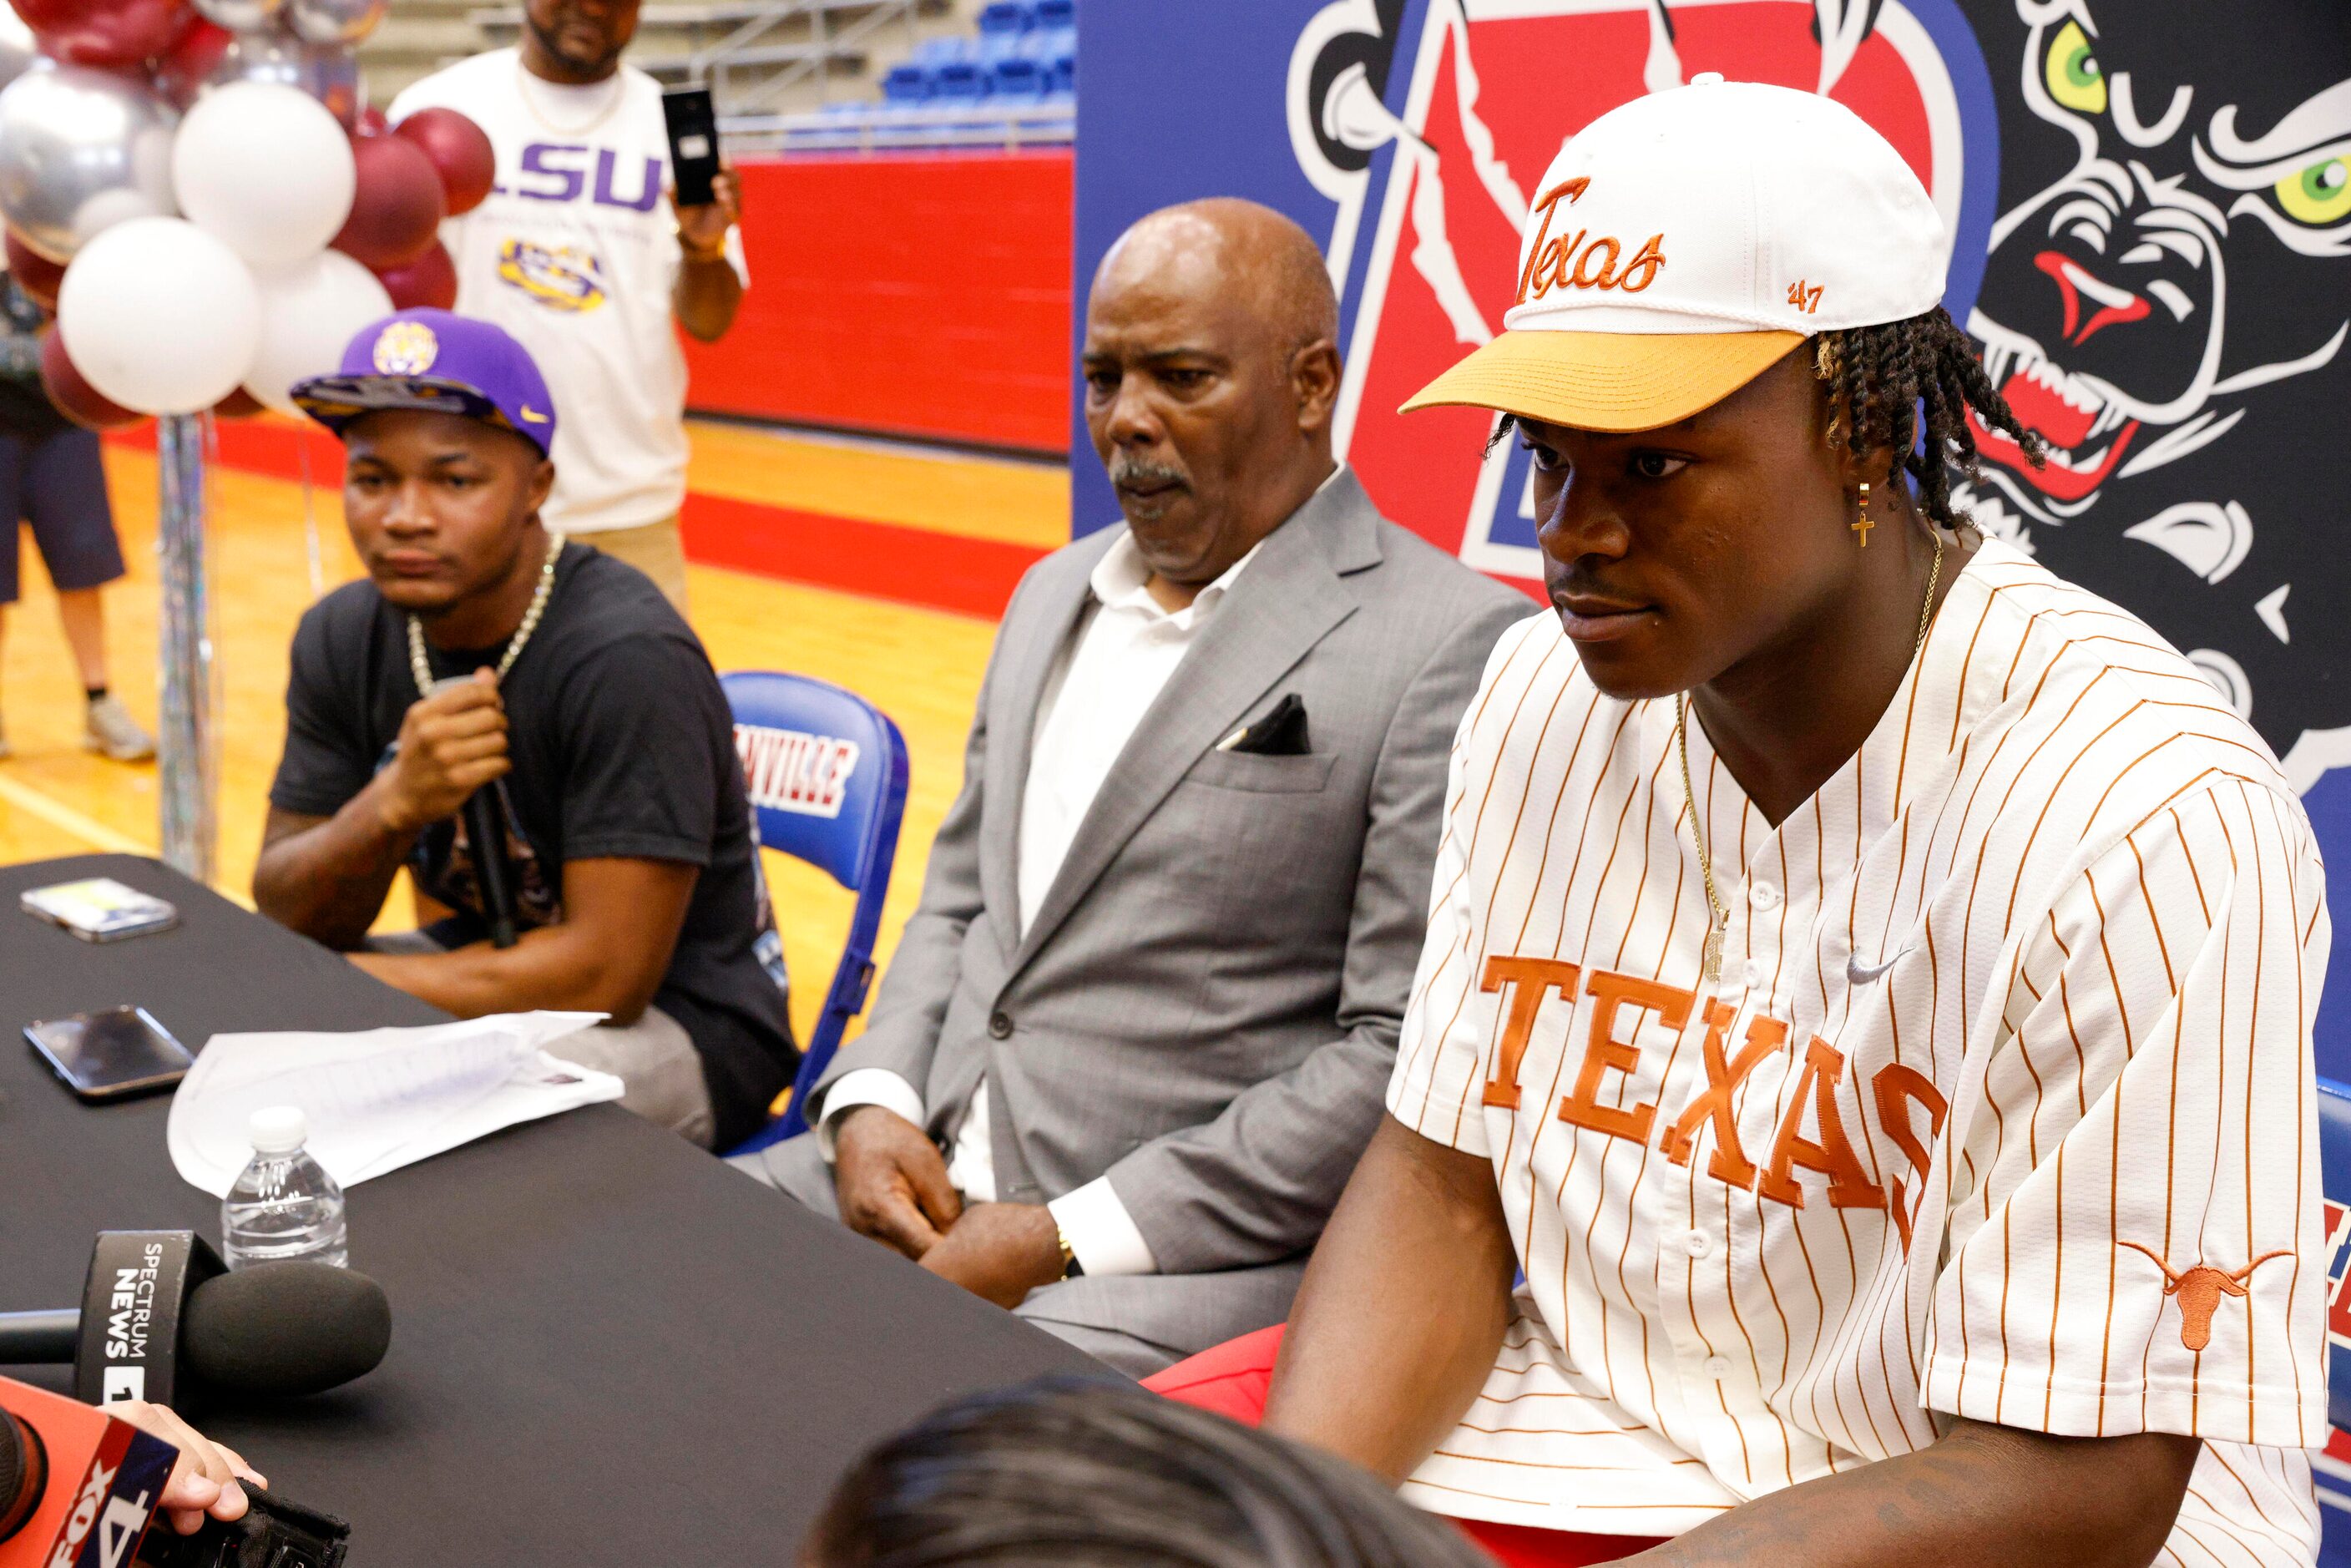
[1683, 243]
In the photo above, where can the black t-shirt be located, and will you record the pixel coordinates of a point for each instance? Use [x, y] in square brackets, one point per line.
[621, 746]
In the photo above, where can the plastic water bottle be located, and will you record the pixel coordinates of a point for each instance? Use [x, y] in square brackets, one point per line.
[284, 1206]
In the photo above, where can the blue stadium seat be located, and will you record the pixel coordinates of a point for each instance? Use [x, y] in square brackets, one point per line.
[1050, 15]
[1015, 81]
[906, 84]
[1003, 25]
[1061, 75]
[960, 83]
[827, 774]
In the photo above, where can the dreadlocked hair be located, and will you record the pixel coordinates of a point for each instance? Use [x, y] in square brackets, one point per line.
[1882, 378]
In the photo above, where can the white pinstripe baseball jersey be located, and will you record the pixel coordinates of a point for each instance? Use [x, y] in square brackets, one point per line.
[2002, 1108]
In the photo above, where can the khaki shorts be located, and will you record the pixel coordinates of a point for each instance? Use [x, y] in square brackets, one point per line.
[654, 550]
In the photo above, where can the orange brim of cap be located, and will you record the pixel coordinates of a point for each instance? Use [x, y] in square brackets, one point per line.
[1606, 381]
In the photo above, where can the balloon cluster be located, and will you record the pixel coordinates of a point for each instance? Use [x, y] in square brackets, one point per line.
[196, 190]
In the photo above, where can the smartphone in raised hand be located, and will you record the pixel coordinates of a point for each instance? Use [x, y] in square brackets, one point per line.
[693, 120]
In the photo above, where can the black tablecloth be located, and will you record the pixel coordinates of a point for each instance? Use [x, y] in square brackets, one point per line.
[607, 1347]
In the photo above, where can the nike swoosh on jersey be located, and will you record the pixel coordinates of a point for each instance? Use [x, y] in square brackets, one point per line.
[533, 415]
[1861, 974]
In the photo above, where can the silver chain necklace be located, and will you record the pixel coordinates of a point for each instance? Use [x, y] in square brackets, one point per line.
[421, 667]
[1717, 918]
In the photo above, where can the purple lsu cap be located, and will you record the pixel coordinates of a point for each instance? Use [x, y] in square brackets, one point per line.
[434, 362]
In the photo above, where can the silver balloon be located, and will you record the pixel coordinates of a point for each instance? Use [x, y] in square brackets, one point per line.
[17, 49]
[81, 151]
[328, 72]
[239, 15]
[335, 21]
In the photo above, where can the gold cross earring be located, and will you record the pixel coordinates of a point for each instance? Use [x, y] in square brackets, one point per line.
[1862, 525]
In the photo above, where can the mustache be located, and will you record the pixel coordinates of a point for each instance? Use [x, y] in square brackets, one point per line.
[1125, 471]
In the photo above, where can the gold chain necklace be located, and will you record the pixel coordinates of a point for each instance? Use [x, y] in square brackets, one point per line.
[421, 668]
[1718, 922]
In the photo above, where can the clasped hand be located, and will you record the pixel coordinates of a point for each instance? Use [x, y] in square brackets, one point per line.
[893, 1184]
[451, 743]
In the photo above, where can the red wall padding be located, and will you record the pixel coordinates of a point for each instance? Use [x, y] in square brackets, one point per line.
[911, 295]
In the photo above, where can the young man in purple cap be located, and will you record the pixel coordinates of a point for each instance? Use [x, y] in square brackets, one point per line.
[482, 652]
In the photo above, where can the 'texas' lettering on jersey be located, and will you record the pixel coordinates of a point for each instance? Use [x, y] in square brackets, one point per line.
[1527, 983]
[1582, 260]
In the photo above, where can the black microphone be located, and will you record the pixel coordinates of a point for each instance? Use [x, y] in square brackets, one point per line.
[491, 870]
[161, 1321]
[482, 826]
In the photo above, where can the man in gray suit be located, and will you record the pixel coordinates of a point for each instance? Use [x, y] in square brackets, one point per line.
[1142, 1025]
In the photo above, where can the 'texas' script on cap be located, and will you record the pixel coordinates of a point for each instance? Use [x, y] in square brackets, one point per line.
[1582, 260]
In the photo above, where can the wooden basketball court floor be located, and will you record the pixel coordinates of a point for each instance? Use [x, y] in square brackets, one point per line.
[921, 667]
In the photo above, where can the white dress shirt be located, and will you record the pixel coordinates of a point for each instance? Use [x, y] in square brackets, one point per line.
[1103, 682]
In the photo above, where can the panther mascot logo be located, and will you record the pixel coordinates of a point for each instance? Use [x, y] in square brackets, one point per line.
[2166, 302]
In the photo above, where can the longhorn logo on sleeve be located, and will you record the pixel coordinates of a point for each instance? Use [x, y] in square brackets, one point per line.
[2199, 1290]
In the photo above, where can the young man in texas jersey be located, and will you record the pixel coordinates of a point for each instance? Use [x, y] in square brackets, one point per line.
[1869, 981]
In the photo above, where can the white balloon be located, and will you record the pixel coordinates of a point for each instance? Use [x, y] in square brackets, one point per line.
[309, 313]
[265, 168]
[160, 316]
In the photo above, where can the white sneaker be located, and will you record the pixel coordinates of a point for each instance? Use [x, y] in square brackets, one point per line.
[110, 730]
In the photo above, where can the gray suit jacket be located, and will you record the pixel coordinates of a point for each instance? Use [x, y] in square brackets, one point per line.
[1207, 1005]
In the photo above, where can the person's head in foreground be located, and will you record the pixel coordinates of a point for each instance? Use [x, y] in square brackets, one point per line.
[447, 425]
[1211, 368]
[1103, 1475]
[1839, 996]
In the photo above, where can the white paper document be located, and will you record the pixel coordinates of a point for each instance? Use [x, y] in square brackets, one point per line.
[381, 1098]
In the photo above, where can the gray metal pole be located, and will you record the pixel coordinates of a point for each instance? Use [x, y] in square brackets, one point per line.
[186, 746]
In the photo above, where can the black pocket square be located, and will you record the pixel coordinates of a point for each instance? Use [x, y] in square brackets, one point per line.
[1281, 732]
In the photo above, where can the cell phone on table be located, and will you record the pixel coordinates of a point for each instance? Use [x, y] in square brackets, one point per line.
[115, 1053]
[693, 144]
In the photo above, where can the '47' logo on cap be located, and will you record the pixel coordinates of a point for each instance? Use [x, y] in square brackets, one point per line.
[1568, 261]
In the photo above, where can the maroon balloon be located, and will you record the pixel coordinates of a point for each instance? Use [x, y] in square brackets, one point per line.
[371, 122]
[112, 32]
[76, 398]
[461, 153]
[182, 70]
[239, 405]
[398, 206]
[35, 274]
[430, 279]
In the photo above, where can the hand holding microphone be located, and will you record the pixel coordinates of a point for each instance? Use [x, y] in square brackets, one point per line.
[161, 1326]
[204, 1481]
[452, 749]
[452, 742]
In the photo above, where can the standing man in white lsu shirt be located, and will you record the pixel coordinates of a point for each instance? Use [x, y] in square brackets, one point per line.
[581, 254]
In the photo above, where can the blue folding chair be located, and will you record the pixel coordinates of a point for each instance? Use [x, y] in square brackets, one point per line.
[827, 775]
